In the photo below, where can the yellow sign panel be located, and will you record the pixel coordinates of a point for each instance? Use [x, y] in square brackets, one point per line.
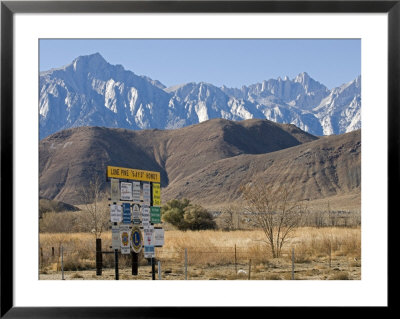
[135, 174]
[156, 194]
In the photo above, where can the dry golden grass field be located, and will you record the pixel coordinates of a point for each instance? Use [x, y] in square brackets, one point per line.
[328, 253]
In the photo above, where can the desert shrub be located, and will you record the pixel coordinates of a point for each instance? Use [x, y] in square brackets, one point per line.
[186, 216]
[173, 212]
[272, 277]
[57, 222]
[198, 218]
[340, 276]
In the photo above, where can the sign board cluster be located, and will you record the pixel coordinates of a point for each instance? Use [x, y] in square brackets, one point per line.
[135, 205]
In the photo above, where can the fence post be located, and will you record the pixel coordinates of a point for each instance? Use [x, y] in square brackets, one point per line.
[41, 257]
[99, 257]
[153, 269]
[116, 264]
[159, 270]
[52, 251]
[235, 261]
[249, 268]
[135, 263]
[292, 263]
[62, 263]
[330, 256]
[186, 263]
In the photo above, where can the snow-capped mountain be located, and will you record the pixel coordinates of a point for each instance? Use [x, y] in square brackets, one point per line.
[92, 92]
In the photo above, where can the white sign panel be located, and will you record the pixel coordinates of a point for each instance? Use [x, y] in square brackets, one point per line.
[114, 190]
[149, 252]
[136, 213]
[146, 194]
[145, 216]
[158, 237]
[116, 213]
[148, 242]
[126, 191]
[148, 236]
[116, 240]
[136, 192]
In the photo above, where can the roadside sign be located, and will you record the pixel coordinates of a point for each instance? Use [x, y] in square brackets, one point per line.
[158, 237]
[114, 190]
[134, 174]
[125, 239]
[115, 213]
[126, 215]
[116, 240]
[149, 252]
[156, 194]
[146, 194]
[145, 216]
[136, 192]
[155, 215]
[148, 236]
[136, 239]
[126, 191]
[136, 214]
[148, 242]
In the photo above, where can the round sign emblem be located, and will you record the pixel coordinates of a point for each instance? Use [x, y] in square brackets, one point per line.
[136, 239]
[125, 238]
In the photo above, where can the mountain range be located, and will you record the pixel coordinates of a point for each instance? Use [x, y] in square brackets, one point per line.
[207, 162]
[92, 92]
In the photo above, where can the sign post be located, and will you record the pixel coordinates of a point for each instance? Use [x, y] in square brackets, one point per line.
[136, 245]
[140, 194]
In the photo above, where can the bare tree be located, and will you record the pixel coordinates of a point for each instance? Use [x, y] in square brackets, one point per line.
[272, 210]
[231, 218]
[95, 214]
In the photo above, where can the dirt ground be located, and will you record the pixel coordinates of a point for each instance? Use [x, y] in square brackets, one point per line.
[341, 268]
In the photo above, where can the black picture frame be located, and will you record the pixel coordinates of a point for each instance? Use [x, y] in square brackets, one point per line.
[9, 8]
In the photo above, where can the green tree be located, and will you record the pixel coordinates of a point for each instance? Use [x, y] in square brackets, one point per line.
[173, 212]
[184, 215]
[198, 218]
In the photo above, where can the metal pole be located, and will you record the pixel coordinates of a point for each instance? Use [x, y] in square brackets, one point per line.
[135, 263]
[249, 268]
[116, 264]
[41, 257]
[185, 263]
[159, 270]
[153, 269]
[235, 261]
[99, 257]
[292, 263]
[62, 263]
[330, 256]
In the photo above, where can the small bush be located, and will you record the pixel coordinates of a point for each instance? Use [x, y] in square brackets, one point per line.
[76, 276]
[273, 277]
[186, 216]
[340, 276]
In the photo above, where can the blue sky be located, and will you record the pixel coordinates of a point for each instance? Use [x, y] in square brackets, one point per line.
[233, 62]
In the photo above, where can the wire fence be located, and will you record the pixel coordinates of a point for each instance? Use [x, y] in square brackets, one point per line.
[199, 263]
